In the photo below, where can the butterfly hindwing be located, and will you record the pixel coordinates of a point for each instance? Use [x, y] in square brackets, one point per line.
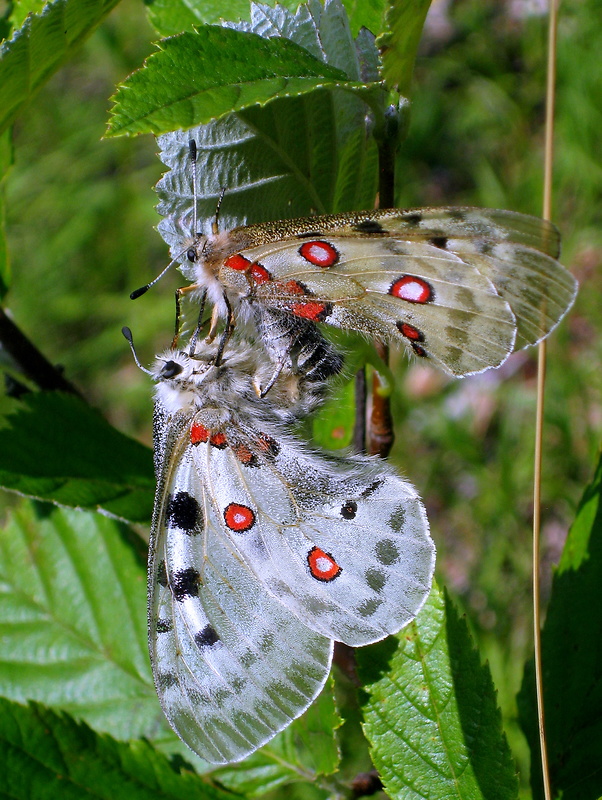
[232, 665]
[342, 542]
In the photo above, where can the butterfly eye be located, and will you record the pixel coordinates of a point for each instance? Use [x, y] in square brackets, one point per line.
[171, 369]
[191, 255]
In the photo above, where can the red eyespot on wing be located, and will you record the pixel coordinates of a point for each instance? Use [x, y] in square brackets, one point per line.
[412, 289]
[260, 274]
[295, 287]
[322, 565]
[317, 312]
[420, 351]
[410, 332]
[237, 261]
[268, 445]
[239, 518]
[198, 433]
[321, 254]
[244, 455]
[219, 440]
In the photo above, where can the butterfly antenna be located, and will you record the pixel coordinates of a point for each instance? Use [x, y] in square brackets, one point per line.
[130, 340]
[144, 289]
[215, 223]
[192, 154]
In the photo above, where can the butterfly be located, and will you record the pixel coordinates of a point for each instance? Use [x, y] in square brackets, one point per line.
[462, 287]
[263, 552]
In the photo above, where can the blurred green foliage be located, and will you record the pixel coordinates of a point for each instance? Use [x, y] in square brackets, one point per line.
[80, 223]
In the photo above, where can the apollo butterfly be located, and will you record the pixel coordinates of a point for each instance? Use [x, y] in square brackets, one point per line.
[263, 552]
[463, 287]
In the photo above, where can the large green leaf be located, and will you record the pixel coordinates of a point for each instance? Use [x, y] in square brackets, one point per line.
[57, 448]
[268, 169]
[431, 716]
[572, 663]
[197, 77]
[73, 619]
[42, 45]
[49, 756]
[399, 41]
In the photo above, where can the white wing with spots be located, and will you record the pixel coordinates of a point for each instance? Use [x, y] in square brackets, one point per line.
[232, 665]
[343, 543]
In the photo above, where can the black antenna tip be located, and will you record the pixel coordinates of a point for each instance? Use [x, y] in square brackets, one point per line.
[192, 149]
[127, 334]
[139, 292]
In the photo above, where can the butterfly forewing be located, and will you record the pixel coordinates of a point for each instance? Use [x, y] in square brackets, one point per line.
[464, 287]
[231, 664]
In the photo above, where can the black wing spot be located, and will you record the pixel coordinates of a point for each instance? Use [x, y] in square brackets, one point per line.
[206, 638]
[185, 583]
[369, 226]
[387, 552]
[369, 607]
[372, 488]
[413, 218]
[349, 509]
[440, 242]
[165, 680]
[183, 512]
[375, 579]
[164, 625]
[161, 574]
[398, 519]
[484, 247]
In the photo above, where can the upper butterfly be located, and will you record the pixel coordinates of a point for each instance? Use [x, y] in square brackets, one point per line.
[464, 287]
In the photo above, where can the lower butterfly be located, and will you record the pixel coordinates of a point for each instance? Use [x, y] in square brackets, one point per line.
[463, 287]
[264, 552]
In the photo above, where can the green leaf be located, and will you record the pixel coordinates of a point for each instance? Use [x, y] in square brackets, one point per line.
[49, 756]
[398, 44]
[41, 46]
[59, 449]
[169, 17]
[6, 160]
[334, 424]
[270, 171]
[73, 619]
[305, 750]
[572, 663]
[365, 14]
[22, 8]
[197, 77]
[431, 716]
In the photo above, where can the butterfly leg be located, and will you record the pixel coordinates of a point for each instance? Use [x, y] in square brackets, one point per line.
[227, 333]
[262, 391]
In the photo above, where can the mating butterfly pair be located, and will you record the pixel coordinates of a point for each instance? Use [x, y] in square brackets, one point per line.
[262, 551]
